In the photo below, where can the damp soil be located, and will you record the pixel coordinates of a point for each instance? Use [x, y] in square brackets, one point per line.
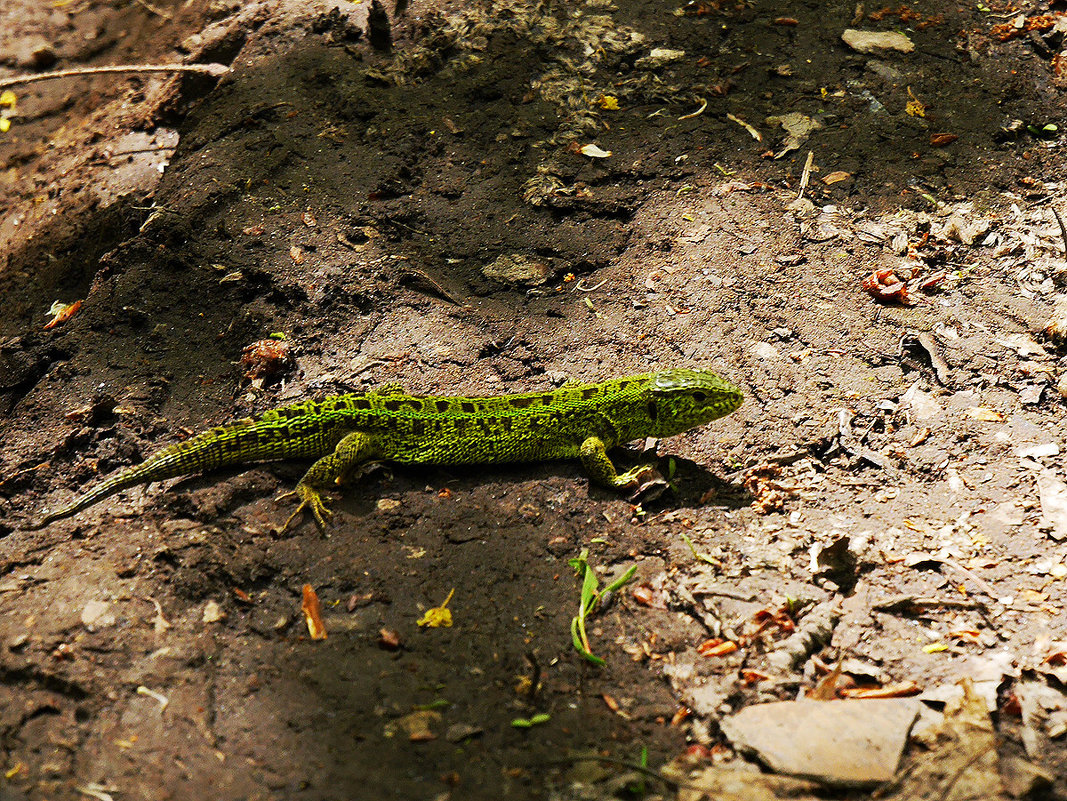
[348, 187]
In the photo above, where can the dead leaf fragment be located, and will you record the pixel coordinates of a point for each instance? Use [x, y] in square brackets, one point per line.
[312, 610]
[1053, 495]
[716, 647]
[594, 151]
[884, 286]
[962, 762]
[942, 139]
[797, 127]
[836, 177]
[984, 414]
[266, 358]
[388, 639]
[213, 612]
[61, 312]
[1056, 327]
[417, 726]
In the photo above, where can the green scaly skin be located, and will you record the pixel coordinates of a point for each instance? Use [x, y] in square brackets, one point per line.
[344, 431]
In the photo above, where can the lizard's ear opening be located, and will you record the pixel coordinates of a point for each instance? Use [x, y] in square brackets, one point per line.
[699, 397]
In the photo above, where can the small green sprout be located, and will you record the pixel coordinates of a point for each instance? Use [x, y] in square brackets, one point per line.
[590, 598]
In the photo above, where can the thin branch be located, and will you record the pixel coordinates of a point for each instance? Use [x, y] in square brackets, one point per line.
[1063, 231]
[214, 70]
[165, 14]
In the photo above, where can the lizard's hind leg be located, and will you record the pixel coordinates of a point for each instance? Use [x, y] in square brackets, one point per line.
[328, 471]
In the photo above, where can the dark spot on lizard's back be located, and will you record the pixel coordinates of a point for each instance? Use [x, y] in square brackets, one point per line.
[418, 426]
[460, 424]
[392, 405]
[414, 403]
[360, 403]
[589, 392]
[502, 422]
[443, 406]
[468, 407]
[520, 403]
[548, 399]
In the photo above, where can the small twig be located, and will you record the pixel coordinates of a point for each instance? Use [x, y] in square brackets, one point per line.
[981, 752]
[535, 680]
[155, 10]
[1063, 231]
[905, 603]
[214, 70]
[698, 112]
[579, 288]
[981, 584]
[806, 175]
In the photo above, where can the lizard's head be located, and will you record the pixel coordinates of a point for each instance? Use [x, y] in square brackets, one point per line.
[682, 399]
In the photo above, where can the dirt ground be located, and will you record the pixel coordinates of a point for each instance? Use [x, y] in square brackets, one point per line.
[421, 194]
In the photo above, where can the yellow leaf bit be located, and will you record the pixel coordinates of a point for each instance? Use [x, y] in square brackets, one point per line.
[440, 615]
[915, 107]
[8, 99]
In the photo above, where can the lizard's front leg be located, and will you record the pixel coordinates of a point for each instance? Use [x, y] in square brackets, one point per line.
[331, 469]
[641, 480]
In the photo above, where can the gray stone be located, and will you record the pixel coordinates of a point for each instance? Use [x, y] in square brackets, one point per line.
[837, 742]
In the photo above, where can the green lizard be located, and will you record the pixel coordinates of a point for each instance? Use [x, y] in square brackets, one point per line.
[344, 431]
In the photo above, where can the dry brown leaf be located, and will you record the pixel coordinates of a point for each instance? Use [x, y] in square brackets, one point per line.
[836, 177]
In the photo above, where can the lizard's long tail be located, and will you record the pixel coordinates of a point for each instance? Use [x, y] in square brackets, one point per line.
[248, 441]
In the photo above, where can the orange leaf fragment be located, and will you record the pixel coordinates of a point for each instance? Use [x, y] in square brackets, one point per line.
[266, 358]
[312, 610]
[61, 312]
[884, 286]
[750, 677]
[716, 647]
[388, 639]
[680, 715]
[942, 139]
[901, 689]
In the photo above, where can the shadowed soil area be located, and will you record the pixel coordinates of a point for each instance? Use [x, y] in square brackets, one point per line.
[500, 197]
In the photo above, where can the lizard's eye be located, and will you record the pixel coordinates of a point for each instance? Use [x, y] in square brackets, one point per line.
[699, 397]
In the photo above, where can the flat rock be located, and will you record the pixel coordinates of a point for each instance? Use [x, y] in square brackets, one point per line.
[871, 41]
[836, 742]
